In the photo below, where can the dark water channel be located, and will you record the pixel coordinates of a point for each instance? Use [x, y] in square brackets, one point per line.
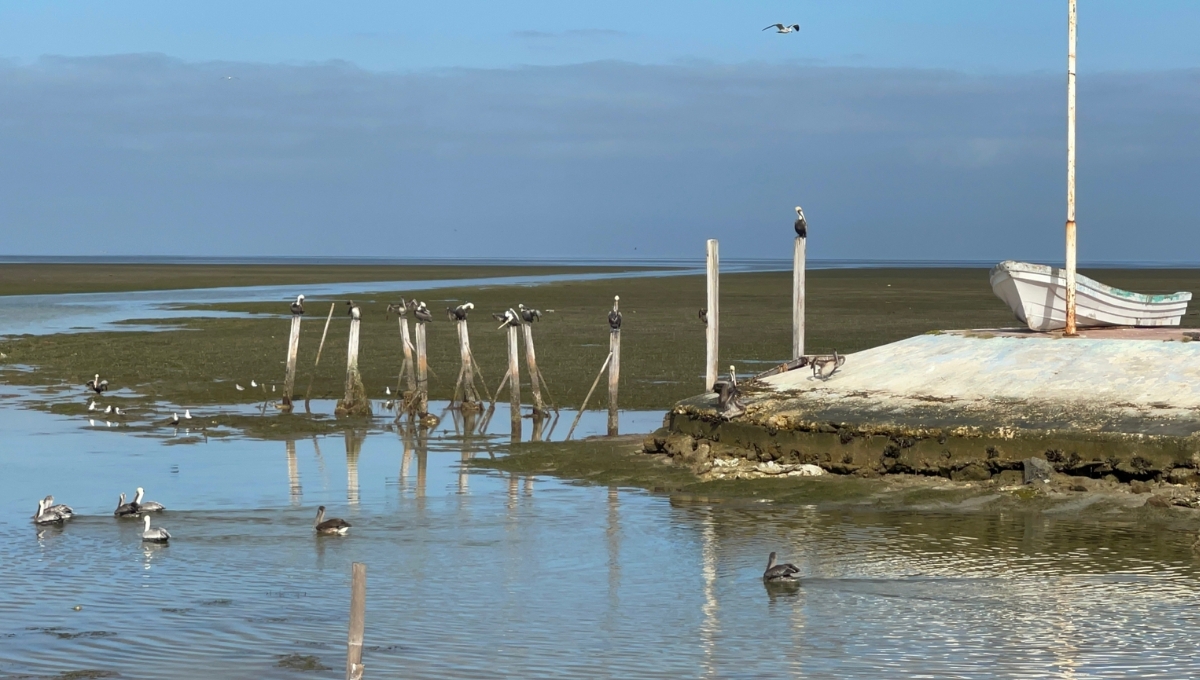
[474, 574]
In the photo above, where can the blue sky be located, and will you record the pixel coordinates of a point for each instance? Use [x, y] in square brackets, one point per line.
[909, 130]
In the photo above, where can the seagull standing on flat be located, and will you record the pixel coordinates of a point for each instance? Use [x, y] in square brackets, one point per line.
[780, 28]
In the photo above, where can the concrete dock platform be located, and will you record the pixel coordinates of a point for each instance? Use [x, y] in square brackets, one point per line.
[972, 405]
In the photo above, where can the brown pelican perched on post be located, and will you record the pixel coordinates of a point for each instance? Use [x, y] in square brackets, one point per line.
[508, 318]
[780, 28]
[353, 311]
[614, 317]
[801, 223]
[400, 309]
[97, 385]
[421, 313]
[823, 367]
[779, 572]
[529, 315]
[298, 305]
[333, 526]
[155, 535]
[460, 312]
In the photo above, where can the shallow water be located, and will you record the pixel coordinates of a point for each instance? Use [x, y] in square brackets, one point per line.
[474, 574]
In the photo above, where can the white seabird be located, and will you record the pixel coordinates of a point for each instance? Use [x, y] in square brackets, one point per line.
[780, 28]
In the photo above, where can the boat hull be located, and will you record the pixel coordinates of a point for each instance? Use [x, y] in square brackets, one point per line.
[1037, 294]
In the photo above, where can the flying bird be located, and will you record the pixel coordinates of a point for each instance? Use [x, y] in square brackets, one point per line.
[780, 28]
[97, 385]
[298, 305]
[801, 223]
[614, 317]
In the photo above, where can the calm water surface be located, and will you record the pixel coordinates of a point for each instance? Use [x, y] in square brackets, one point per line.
[474, 575]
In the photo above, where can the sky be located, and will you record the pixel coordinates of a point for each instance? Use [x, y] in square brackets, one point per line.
[908, 130]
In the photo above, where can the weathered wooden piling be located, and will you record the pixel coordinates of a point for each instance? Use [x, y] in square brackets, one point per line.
[465, 387]
[1070, 229]
[289, 377]
[535, 382]
[406, 370]
[799, 262]
[355, 402]
[419, 404]
[358, 615]
[320, 347]
[614, 369]
[712, 332]
[514, 375]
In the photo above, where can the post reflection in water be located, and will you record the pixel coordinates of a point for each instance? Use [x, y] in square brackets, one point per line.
[539, 423]
[710, 625]
[406, 459]
[294, 492]
[613, 534]
[354, 442]
[512, 491]
[422, 464]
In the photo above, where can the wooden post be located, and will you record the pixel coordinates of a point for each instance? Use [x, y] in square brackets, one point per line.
[1070, 324]
[407, 368]
[535, 383]
[614, 375]
[470, 397]
[289, 377]
[358, 613]
[798, 265]
[514, 375]
[420, 401]
[712, 333]
[589, 395]
[320, 347]
[355, 402]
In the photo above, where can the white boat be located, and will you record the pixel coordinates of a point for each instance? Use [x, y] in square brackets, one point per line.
[1037, 294]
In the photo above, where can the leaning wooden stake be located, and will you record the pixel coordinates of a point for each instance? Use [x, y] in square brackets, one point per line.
[514, 374]
[589, 395]
[355, 403]
[289, 377]
[712, 333]
[798, 265]
[535, 383]
[420, 401]
[358, 613]
[320, 347]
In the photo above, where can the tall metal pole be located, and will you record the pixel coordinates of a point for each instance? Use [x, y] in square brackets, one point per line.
[1070, 327]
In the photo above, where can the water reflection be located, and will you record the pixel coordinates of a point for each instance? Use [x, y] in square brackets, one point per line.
[354, 442]
[294, 491]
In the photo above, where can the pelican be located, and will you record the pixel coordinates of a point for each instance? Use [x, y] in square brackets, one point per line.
[779, 572]
[801, 223]
[459, 313]
[64, 510]
[97, 385]
[780, 28]
[529, 315]
[330, 527]
[400, 309]
[239, 387]
[703, 316]
[509, 318]
[147, 506]
[155, 535]
[614, 317]
[125, 509]
[353, 310]
[728, 392]
[298, 305]
[43, 516]
[421, 313]
[174, 418]
[823, 367]
[187, 414]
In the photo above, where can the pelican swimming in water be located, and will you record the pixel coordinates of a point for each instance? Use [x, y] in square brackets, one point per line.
[330, 527]
[801, 224]
[125, 509]
[421, 313]
[780, 28]
[97, 385]
[45, 516]
[298, 305]
[779, 572]
[64, 510]
[145, 506]
[823, 367]
[155, 535]
[460, 312]
[614, 317]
